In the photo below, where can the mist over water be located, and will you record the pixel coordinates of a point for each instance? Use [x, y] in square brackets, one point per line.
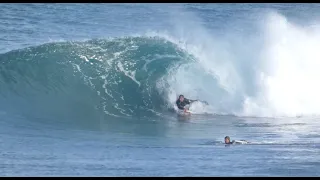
[270, 73]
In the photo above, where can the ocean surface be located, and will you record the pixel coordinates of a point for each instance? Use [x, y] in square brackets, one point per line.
[90, 89]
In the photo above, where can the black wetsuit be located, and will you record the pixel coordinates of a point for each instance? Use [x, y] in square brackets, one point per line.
[231, 142]
[183, 103]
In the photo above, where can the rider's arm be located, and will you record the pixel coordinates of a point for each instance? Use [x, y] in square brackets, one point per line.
[190, 101]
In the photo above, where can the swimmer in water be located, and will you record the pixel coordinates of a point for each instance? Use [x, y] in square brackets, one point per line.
[228, 141]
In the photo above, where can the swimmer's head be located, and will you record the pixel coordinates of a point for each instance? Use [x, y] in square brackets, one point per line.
[227, 140]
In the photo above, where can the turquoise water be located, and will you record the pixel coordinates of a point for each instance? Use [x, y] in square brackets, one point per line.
[89, 89]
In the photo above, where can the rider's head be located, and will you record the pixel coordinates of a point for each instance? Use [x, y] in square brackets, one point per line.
[181, 98]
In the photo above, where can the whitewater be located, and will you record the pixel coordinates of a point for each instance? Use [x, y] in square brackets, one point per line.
[90, 89]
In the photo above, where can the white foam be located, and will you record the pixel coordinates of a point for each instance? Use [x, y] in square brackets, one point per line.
[276, 76]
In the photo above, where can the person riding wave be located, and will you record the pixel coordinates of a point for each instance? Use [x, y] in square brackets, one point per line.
[182, 102]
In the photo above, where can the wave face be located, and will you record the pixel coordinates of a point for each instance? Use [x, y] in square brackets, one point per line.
[117, 77]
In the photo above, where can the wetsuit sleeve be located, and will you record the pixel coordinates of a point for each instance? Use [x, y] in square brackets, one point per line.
[188, 101]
